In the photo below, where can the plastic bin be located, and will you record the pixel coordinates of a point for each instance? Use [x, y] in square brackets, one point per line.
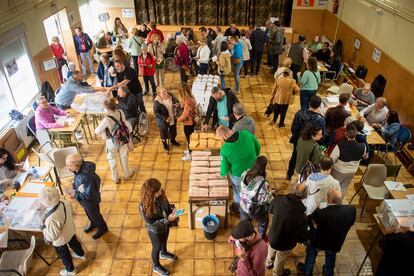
[211, 224]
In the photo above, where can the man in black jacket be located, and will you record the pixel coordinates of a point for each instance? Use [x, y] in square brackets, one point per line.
[332, 225]
[301, 119]
[289, 226]
[258, 39]
[86, 185]
[220, 107]
[127, 102]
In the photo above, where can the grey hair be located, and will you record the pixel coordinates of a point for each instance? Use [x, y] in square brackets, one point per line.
[215, 90]
[125, 89]
[301, 190]
[238, 109]
[39, 98]
[49, 196]
[75, 159]
[334, 196]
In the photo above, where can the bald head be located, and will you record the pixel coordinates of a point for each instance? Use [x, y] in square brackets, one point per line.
[334, 197]
[380, 102]
[223, 132]
[301, 191]
[74, 162]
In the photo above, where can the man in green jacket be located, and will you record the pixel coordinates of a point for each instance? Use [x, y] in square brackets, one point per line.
[238, 153]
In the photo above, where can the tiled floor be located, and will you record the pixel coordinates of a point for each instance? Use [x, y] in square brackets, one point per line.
[125, 250]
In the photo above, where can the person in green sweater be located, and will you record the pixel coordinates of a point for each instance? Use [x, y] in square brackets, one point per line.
[238, 153]
[309, 83]
[308, 148]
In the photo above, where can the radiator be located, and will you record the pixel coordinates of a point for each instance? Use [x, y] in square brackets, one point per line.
[20, 128]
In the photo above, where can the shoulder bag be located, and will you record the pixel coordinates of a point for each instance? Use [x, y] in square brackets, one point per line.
[256, 210]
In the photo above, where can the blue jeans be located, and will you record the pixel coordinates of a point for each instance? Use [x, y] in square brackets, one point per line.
[236, 73]
[305, 96]
[262, 227]
[223, 81]
[203, 68]
[86, 57]
[330, 258]
[235, 181]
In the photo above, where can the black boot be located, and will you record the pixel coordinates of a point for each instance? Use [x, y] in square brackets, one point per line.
[175, 143]
[165, 145]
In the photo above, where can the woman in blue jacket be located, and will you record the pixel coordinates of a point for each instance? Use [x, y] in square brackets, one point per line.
[389, 131]
[236, 60]
[105, 77]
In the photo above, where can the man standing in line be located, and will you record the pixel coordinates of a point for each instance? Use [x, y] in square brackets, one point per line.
[83, 44]
[86, 184]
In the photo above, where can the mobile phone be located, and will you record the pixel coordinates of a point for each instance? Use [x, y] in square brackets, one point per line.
[179, 212]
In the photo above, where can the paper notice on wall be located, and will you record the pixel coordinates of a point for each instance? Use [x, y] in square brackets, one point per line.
[322, 3]
[12, 67]
[127, 13]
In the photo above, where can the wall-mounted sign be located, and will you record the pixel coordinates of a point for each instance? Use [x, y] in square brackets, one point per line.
[12, 67]
[49, 64]
[305, 3]
[376, 55]
[322, 3]
[357, 43]
[128, 13]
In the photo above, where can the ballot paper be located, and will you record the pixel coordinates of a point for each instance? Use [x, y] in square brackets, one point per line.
[20, 204]
[395, 186]
[400, 207]
[332, 99]
[32, 188]
[20, 177]
[367, 129]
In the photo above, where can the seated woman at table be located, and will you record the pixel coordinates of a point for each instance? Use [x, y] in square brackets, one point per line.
[45, 115]
[105, 41]
[389, 131]
[8, 168]
[335, 62]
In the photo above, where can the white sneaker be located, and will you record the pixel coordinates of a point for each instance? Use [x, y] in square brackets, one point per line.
[186, 157]
[64, 272]
[76, 256]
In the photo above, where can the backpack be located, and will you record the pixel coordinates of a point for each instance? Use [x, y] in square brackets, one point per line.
[120, 134]
[16, 115]
[198, 113]
[307, 170]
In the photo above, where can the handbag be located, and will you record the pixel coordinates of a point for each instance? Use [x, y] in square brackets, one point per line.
[235, 60]
[16, 115]
[160, 65]
[269, 110]
[256, 210]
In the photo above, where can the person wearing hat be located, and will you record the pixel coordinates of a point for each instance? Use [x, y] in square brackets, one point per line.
[147, 64]
[281, 96]
[296, 53]
[250, 249]
[58, 228]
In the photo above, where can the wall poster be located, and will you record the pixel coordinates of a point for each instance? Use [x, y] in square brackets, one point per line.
[305, 3]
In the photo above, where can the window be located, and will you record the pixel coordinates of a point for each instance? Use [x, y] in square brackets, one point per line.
[18, 84]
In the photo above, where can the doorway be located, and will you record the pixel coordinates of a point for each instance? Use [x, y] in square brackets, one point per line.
[58, 25]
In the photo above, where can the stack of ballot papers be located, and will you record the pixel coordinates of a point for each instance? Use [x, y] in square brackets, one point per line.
[204, 140]
[205, 179]
[201, 89]
[398, 213]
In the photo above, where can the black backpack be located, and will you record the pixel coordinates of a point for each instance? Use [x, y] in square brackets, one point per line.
[361, 71]
[307, 170]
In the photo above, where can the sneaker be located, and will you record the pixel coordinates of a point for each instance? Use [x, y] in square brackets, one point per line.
[269, 266]
[145, 93]
[175, 143]
[289, 177]
[64, 272]
[186, 157]
[76, 256]
[281, 125]
[89, 229]
[160, 270]
[168, 256]
[99, 234]
[116, 181]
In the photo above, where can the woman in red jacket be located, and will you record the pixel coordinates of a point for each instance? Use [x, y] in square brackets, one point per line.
[182, 57]
[60, 55]
[147, 64]
[188, 116]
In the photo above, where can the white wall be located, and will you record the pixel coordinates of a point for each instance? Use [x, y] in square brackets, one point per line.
[390, 33]
[33, 20]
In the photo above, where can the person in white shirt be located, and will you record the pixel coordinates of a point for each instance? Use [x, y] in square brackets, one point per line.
[107, 128]
[375, 113]
[319, 184]
[247, 47]
[203, 56]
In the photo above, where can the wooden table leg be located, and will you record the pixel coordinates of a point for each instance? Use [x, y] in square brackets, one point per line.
[368, 252]
[190, 213]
